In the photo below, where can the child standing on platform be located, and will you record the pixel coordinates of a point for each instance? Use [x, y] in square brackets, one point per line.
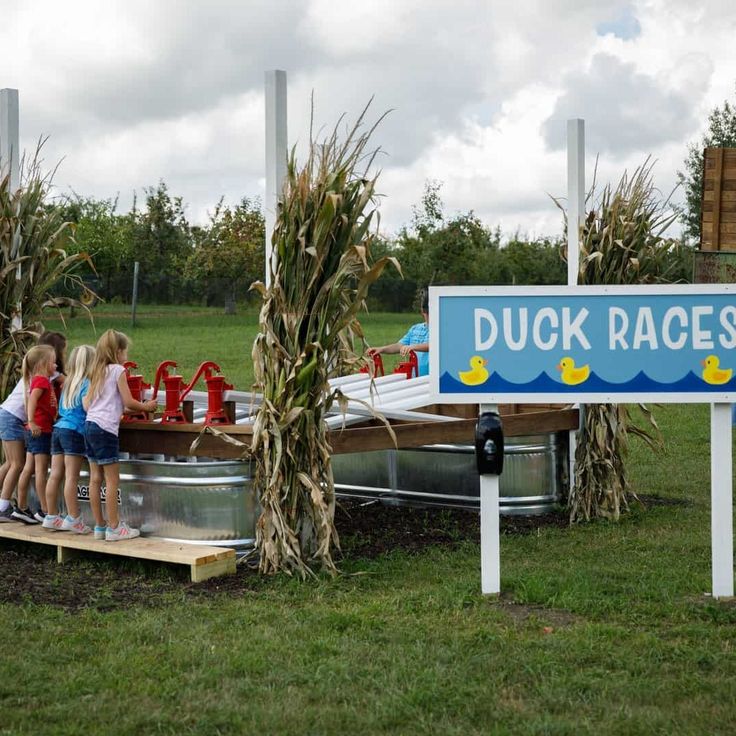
[39, 366]
[108, 396]
[67, 445]
[13, 419]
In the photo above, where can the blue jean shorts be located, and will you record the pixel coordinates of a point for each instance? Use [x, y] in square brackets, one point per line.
[40, 445]
[66, 441]
[11, 428]
[102, 448]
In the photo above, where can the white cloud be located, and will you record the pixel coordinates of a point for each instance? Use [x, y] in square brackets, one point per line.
[133, 92]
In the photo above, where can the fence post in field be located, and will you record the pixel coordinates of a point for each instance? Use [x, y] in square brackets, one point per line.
[134, 305]
[10, 163]
[276, 152]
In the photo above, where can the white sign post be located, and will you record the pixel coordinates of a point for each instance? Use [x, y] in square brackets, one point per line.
[721, 500]
[490, 511]
[276, 152]
[600, 344]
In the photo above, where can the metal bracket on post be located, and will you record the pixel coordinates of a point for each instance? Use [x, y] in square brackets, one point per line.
[489, 455]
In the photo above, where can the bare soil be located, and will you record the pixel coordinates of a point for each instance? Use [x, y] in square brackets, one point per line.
[30, 574]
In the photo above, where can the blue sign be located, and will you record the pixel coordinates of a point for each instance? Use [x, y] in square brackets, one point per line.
[594, 344]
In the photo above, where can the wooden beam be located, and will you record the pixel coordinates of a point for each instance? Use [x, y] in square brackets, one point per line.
[462, 431]
[176, 439]
[717, 183]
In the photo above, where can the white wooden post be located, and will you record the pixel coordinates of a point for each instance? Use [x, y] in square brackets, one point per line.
[721, 500]
[9, 136]
[276, 152]
[10, 163]
[490, 545]
[575, 213]
[575, 195]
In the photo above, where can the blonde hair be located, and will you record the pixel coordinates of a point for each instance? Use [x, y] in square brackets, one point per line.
[36, 357]
[80, 365]
[106, 353]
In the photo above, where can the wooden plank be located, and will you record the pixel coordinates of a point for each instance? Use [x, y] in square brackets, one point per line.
[718, 175]
[372, 435]
[462, 431]
[725, 196]
[725, 217]
[144, 548]
[198, 573]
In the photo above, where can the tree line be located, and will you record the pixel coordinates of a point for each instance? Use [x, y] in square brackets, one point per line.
[214, 263]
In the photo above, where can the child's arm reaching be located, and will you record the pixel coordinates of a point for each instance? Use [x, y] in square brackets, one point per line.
[129, 402]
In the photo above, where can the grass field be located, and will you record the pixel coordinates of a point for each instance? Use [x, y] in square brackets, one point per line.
[601, 628]
[191, 335]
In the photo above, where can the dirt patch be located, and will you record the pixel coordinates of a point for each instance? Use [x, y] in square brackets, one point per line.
[30, 574]
[549, 618]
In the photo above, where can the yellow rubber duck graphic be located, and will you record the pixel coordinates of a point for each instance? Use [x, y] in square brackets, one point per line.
[571, 375]
[477, 373]
[712, 373]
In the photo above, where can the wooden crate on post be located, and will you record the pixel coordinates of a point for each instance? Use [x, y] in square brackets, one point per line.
[718, 218]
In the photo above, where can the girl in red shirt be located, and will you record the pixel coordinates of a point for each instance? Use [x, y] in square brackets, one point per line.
[41, 408]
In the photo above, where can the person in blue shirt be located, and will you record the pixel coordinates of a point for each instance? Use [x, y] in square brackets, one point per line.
[416, 339]
[67, 446]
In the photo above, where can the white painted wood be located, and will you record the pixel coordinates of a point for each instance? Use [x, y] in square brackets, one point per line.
[276, 152]
[575, 195]
[721, 494]
[490, 544]
[575, 212]
[10, 163]
[10, 135]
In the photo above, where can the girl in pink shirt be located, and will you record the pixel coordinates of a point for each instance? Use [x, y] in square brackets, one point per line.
[108, 396]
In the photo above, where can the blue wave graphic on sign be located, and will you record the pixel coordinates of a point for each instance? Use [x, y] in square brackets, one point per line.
[544, 384]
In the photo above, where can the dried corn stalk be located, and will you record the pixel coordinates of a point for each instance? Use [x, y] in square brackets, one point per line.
[622, 242]
[33, 236]
[320, 274]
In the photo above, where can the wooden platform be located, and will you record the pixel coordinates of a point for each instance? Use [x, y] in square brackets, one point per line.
[204, 561]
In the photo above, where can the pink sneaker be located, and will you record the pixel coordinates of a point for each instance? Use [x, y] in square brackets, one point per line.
[54, 522]
[70, 524]
[120, 533]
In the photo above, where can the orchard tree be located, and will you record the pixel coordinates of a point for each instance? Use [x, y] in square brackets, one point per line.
[229, 254]
[160, 239]
[721, 133]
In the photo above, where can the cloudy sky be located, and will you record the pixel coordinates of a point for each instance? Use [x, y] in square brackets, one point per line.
[132, 92]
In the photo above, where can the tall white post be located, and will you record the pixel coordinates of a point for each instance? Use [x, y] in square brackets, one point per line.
[10, 163]
[575, 213]
[490, 544]
[9, 136]
[276, 152]
[721, 500]
[575, 195]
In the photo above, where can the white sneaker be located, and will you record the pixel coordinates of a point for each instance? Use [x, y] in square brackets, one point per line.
[53, 522]
[100, 532]
[77, 526]
[120, 533]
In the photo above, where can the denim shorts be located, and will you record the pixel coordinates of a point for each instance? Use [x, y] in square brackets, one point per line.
[102, 448]
[66, 441]
[40, 445]
[11, 428]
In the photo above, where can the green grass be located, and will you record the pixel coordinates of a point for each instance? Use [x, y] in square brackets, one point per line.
[191, 335]
[602, 628]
